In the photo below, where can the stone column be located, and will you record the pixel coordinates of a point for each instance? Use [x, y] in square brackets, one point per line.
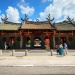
[51, 52]
[21, 41]
[0, 52]
[26, 52]
[54, 32]
[42, 41]
[32, 40]
[53, 41]
[13, 52]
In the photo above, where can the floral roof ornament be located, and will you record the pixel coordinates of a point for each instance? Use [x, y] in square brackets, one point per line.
[37, 21]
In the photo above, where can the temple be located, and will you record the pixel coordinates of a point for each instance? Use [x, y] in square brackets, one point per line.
[32, 35]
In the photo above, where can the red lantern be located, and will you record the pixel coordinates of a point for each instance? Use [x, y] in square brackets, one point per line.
[61, 40]
[26, 34]
[47, 41]
[48, 34]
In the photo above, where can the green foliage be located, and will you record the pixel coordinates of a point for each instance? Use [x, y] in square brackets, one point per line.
[29, 42]
[74, 22]
[64, 21]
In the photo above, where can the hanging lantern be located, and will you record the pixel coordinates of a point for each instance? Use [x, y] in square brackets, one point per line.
[61, 40]
[48, 34]
[47, 41]
[26, 34]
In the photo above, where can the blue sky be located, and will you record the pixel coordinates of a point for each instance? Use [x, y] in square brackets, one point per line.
[15, 9]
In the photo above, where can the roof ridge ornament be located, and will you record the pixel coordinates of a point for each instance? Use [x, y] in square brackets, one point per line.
[50, 20]
[70, 21]
[25, 19]
[37, 21]
[4, 19]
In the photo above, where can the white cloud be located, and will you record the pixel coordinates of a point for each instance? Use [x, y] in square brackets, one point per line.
[35, 20]
[29, 19]
[22, 0]
[12, 14]
[46, 1]
[59, 9]
[1, 16]
[25, 8]
[43, 0]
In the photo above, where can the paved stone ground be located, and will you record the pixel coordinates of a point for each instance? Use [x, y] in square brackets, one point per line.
[37, 70]
[36, 58]
[37, 63]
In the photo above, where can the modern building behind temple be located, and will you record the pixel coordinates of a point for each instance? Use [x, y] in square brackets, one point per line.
[32, 35]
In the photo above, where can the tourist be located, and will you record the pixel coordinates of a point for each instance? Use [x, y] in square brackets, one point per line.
[65, 47]
[60, 49]
[5, 46]
[57, 49]
[12, 45]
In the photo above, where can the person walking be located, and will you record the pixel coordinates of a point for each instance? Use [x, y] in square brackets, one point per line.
[65, 48]
[12, 45]
[5, 46]
[60, 49]
[57, 49]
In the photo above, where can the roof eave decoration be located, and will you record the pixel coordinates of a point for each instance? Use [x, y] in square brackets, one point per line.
[25, 19]
[70, 21]
[51, 21]
[4, 19]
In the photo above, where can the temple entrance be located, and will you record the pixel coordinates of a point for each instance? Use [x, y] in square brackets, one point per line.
[37, 42]
[10, 42]
[63, 40]
[28, 42]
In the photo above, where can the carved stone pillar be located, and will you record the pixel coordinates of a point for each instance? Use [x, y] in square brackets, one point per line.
[32, 41]
[53, 41]
[42, 41]
[54, 32]
[21, 41]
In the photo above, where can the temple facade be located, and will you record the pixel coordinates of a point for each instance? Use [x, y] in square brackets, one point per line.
[32, 35]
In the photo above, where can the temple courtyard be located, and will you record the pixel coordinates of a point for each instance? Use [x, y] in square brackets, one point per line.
[36, 62]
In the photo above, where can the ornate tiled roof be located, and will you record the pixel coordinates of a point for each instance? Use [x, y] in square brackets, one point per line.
[65, 26]
[37, 26]
[9, 26]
